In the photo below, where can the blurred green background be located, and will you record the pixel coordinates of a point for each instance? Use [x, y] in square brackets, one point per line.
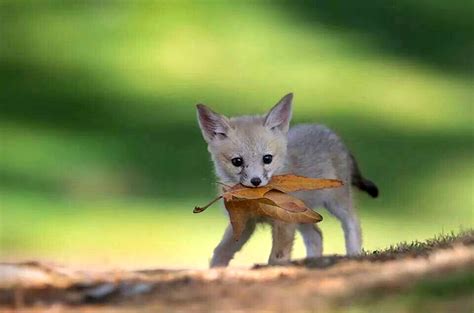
[101, 158]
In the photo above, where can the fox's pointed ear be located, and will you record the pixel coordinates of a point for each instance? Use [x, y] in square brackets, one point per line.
[280, 115]
[213, 125]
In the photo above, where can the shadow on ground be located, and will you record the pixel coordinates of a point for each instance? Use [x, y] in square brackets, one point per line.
[430, 32]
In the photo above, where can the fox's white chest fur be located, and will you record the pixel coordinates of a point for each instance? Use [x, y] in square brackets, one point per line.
[250, 149]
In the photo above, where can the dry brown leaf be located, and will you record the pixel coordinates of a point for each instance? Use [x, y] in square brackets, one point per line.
[284, 183]
[243, 192]
[307, 216]
[271, 201]
[279, 205]
[284, 200]
[291, 183]
[239, 214]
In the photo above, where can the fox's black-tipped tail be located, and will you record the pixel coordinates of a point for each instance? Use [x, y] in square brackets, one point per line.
[367, 186]
[362, 183]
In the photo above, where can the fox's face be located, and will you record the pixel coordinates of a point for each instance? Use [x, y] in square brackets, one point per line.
[247, 149]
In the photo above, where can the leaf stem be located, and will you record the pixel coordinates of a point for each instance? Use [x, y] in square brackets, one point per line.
[200, 209]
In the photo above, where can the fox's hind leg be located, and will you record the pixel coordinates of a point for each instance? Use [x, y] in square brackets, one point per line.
[341, 207]
[226, 249]
[313, 239]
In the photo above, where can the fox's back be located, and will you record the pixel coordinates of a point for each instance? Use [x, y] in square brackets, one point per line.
[316, 151]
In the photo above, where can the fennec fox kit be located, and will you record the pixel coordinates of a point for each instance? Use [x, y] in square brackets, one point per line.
[250, 149]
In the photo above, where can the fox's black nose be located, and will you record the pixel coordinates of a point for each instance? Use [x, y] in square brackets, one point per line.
[255, 181]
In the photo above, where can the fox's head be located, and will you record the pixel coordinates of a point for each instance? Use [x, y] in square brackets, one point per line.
[247, 149]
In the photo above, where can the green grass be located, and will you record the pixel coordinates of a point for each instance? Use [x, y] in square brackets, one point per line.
[440, 292]
[448, 293]
[101, 160]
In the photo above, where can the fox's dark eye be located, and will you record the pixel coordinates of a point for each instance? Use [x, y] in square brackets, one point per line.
[237, 162]
[267, 158]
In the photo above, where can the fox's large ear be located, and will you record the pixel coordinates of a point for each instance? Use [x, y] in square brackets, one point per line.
[280, 115]
[213, 125]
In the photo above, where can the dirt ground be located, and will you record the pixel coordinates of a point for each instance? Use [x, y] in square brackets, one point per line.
[434, 276]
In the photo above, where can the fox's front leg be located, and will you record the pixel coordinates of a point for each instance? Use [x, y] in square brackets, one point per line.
[313, 239]
[283, 235]
[225, 250]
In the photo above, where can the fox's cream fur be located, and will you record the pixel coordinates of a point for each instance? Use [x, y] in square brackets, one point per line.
[238, 146]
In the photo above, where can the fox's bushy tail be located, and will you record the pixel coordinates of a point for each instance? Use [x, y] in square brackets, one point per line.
[362, 183]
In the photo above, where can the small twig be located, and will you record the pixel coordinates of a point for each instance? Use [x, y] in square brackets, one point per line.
[200, 209]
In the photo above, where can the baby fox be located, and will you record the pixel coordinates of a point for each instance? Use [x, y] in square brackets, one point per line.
[250, 149]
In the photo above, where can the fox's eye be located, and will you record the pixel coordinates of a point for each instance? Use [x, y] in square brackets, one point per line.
[237, 162]
[267, 158]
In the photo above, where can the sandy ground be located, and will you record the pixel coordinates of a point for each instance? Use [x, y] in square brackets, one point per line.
[328, 284]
